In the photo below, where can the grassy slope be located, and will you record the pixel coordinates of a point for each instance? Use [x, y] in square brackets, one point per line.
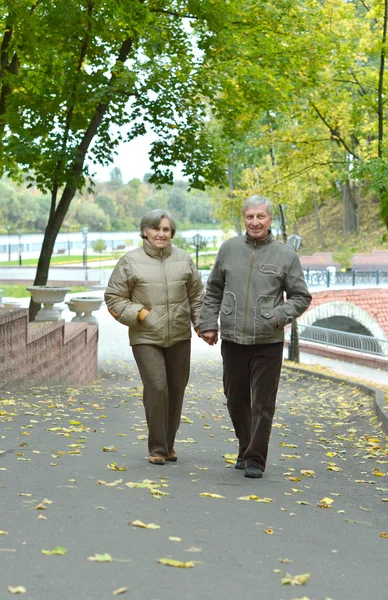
[330, 214]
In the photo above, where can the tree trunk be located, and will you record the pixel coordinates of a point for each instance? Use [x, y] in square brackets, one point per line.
[237, 220]
[283, 223]
[318, 223]
[350, 208]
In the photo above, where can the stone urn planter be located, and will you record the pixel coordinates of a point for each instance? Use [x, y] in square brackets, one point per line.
[48, 296]
[83, 306]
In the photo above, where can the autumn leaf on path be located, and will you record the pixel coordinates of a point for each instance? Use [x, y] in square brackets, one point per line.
[208, 495]
[325, 503]
[384, 534]
[101, 558]
[115, 467]
[109, 448]
[171, 562]
[144, 525]
[296, 579]
[18, 589]
[121, 590]
[57, 550]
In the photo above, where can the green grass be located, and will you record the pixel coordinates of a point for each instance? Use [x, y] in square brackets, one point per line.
[19, 291]
[61, 260]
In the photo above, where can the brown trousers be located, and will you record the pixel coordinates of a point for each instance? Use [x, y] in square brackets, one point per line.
[251, 379]
[164, 373]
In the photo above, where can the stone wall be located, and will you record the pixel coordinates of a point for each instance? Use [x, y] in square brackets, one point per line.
[41, 352]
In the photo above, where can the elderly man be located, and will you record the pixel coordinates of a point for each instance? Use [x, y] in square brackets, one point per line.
[247, 288]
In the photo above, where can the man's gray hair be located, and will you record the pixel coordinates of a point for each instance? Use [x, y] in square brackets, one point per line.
[153, 218]
[257, 200]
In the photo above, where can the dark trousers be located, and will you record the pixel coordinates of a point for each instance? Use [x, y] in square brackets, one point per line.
[164, 373]
[251, 379]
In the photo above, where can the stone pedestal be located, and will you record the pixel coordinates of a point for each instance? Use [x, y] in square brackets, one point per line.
[48, 296]
[83, 306]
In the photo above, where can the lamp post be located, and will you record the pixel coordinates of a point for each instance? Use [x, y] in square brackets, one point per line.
[293, 347]
[9, 242]
[85, 250]
[197, 239]
[20, 246]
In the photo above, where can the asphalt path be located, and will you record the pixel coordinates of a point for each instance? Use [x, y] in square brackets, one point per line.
[320, 511]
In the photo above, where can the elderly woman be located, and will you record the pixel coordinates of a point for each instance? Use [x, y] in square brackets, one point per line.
[156, 292]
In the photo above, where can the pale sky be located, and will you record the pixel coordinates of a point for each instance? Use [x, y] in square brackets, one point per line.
[132, 160]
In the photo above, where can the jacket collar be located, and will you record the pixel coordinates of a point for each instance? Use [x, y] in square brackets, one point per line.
[156, 252]
[263, 242]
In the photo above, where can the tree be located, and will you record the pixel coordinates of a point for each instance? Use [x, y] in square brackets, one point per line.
[71, 70]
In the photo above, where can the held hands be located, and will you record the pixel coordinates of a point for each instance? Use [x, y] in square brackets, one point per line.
[210, 337]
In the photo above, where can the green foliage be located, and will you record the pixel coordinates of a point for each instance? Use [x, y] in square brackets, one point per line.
[99, 245]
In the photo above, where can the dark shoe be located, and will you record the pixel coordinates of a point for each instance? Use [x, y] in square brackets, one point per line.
[156, 460]
[172, 457]
[240, 464]
[253, 472]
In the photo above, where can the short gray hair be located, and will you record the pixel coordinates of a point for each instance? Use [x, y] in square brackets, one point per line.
[257, 200]
[153, 218]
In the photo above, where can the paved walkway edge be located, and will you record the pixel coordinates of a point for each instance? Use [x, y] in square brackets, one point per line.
[381, 406]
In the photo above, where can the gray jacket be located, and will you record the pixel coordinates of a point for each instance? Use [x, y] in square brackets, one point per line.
[246, 289]
[166, 282]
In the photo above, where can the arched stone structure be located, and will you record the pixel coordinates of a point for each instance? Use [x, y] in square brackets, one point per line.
[346, 309]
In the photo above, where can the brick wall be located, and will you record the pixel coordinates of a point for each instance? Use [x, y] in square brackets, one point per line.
[373, 301]
[42, 352]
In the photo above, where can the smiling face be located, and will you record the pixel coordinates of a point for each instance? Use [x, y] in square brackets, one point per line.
[257, 221]
[160, 235]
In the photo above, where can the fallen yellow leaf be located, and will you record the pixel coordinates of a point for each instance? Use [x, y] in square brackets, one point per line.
[208, 495]
[296, 579]
[171, 562]
[121, 590]
[57, 550]
[143, 525]
[18, 589]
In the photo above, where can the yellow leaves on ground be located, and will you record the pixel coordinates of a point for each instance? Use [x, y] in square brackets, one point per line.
[109, 448]
[384, 534]
[269, 531]
[114, 467]
[173, 538]
[57, 550]
[378, 473]
[325, 502]
[142, 525]
[42, 505]
[3, 532]
[296, 579]
[111, 484]
[256, 499]
[171, 562]
[333, 467]
[208, 495]
[100, 558]
[230, 458]
[18, 589]
[307, 473]
[121, 590]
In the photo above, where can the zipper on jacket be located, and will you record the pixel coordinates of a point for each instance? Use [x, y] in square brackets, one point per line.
[167, 299]
[247, 296]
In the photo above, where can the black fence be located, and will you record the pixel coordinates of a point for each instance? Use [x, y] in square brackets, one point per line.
[350, 278]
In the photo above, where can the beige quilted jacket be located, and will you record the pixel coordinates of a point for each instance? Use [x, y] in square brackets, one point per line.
[166, 282]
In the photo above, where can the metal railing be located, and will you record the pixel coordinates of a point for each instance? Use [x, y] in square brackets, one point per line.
[331, 276]
[343, 339]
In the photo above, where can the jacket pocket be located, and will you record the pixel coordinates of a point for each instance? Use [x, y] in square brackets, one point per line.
[265, 317]
[228, 313]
